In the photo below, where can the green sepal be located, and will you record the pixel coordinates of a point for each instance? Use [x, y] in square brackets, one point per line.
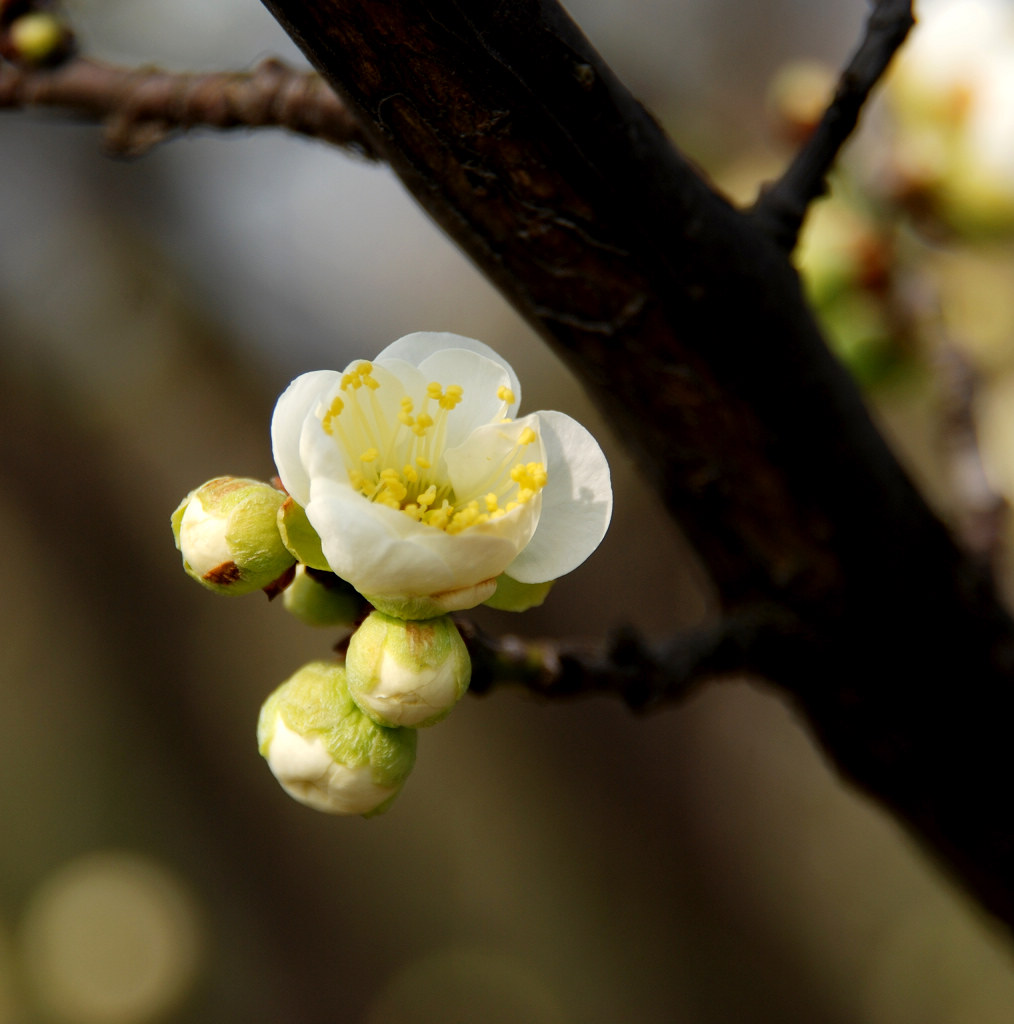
[512, 596]
[319, 598]
[299, 536]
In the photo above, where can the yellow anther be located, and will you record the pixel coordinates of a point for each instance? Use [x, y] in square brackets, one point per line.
[369, 455]
[452, 396]
[505, 394]
[349, 380]
[492, 502]
[423, 463]
[371, 382]
[527, 436]
[410, 474]
[334, 410]
[406, 418]
[423, 422]
[364, 368]
[434, 390]
[428, 496]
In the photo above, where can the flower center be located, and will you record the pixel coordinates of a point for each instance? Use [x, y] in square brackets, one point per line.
[397, 460]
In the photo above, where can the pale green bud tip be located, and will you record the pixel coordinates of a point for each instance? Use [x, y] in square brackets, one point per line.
[325, 752]
[321, 599]
[407, 673]
[227, 531]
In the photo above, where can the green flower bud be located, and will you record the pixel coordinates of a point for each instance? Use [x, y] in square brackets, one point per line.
[512, 596]
[37, 38]
[407, 673]
[228, 534]
[325, 752]
[322, 599]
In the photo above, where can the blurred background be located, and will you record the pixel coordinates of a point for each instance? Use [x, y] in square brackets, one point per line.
[552, 864]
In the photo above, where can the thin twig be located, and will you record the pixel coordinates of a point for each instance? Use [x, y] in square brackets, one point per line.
[782, 207]
[643, 675]
[141, 107]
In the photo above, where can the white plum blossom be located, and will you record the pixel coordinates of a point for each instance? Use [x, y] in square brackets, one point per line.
[951, 92]
[423, 484]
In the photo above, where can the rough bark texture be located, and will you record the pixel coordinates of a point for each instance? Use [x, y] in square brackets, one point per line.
[685, 320]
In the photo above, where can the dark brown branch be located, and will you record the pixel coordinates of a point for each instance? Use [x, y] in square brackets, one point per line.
[687, 324]
[782, 207]
[644, 676]
[141, 107]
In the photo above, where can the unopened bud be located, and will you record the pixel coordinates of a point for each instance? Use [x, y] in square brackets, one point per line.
[407, 673]
[37, 38]
[228, 534]
[322, 599]
[325, 752]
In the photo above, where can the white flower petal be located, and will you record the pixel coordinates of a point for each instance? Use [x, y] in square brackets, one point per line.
[382, 551]
[481, 381]
[577, 502]
[487, 450]
[291, 409]
[414, 348]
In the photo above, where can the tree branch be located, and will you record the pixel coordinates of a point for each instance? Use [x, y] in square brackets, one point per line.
[687, 325]
[142, 107]
[781, 208]
[645, 676]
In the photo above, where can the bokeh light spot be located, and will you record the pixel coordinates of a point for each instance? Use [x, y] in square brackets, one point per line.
[111, 938]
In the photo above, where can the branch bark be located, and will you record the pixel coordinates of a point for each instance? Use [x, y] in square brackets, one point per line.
[141, 107]
[686, 322]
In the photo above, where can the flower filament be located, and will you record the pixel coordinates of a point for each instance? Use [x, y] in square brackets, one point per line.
[397, 459]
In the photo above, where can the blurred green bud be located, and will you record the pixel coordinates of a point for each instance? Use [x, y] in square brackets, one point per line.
[407, 673]
[299, 536]
[513, 596]
[228, 534]
[322, 599]
[37, 38]
[325, 752]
